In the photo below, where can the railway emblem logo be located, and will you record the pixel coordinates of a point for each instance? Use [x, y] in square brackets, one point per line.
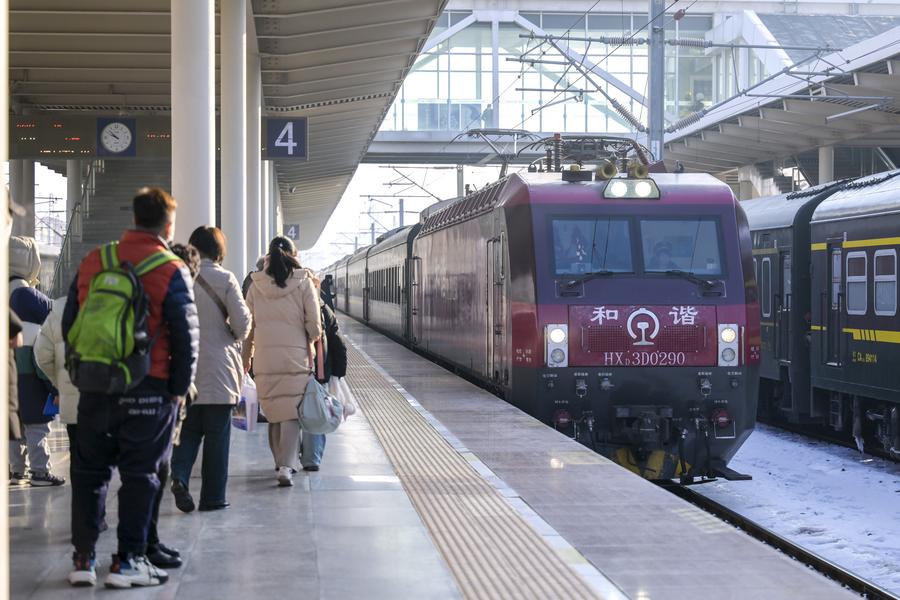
[638, 327]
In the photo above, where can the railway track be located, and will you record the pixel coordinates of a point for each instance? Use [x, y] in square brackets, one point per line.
[865, 588]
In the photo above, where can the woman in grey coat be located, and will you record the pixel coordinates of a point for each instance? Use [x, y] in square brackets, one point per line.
[224, 324]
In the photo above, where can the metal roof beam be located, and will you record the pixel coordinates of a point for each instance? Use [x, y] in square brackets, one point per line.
[758, 123]
[765, 137]
[825, 109]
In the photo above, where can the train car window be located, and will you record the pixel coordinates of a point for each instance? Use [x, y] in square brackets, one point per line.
[886, 283]
[785, 276]
[766, 287]
[690, 245]
[587, 245]
[857, 283]
[755, 271]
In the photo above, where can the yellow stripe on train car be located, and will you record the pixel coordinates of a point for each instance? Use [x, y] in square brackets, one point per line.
[869, 243]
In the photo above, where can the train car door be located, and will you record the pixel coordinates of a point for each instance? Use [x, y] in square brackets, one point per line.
[496, 309]
[415, 299]
[367, 288]
[783, 308]
[834, 303]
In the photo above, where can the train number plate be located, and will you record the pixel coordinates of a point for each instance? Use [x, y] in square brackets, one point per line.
[634, 358]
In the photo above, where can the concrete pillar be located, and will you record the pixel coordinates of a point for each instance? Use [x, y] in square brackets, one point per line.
[73, 196]
[656, 107]
[21, 179]
[266, 196]
[495, 73]
[274, 201]
[233, 125]
[826, 164]
[4, 294]
[193, 115]
[254, 202]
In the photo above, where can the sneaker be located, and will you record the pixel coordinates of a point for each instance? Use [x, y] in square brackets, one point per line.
[85, 571]
[18, 479]
[46, 480]
[134, 570]
[183, 500]
[311, 468]
[285, 477]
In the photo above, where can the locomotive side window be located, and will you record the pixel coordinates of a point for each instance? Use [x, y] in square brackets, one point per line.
[690, 245]
[589, 245]
[857, 283]
[886, 283]
[766, 287]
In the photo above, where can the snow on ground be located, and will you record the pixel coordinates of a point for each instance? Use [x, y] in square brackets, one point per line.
[840, 504]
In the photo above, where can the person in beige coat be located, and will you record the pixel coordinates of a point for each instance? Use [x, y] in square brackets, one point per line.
[285, 308]
[50, 356]
[224, 324]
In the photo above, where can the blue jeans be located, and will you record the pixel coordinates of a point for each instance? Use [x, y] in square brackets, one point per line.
[312, 446]
[210, 424]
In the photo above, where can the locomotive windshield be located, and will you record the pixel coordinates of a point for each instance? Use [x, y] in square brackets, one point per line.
[588, 245]
[690, 245]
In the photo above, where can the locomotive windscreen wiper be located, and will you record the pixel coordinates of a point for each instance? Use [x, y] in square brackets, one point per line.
[588, 276]
[705, 283]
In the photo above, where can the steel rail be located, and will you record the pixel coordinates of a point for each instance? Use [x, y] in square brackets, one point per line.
[824, 566]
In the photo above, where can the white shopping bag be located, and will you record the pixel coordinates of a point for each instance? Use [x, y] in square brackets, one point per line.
[244, 416]
[338, 388]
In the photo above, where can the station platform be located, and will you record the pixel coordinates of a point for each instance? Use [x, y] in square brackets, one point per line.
[437, 489]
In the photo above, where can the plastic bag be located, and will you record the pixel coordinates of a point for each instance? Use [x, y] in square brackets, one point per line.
[338, 388]
[51, 406]
[244, 416]
[319, 411]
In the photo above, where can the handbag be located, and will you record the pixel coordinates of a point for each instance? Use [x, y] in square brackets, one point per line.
[216, 300]
[319, 411]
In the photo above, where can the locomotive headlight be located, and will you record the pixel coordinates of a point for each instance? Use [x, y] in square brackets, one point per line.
[729, 343]
[643, 189]
[617, 189]
[557, 345]
[557, 335]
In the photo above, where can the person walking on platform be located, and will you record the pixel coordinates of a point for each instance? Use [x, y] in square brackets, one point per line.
[286, 320]
[34, 388]
[224, 324]
[131, 294]
[260, 265]
[159, 554]
[328, 294]
[312, 445]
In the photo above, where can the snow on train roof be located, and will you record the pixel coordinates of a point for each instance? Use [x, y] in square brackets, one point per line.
[774, 212]
[871, 195]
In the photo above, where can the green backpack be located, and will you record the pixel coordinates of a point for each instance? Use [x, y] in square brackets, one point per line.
[108, 346]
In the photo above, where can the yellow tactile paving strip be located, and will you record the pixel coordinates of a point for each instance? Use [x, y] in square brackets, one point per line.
[490, 549]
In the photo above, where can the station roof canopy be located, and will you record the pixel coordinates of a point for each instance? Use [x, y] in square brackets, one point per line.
[849, 97]
[339, 62]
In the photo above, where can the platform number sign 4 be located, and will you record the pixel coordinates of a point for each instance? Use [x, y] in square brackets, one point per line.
[287, 138]
[292, 232]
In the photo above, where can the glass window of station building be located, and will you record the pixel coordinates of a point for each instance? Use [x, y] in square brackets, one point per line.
[450, 87]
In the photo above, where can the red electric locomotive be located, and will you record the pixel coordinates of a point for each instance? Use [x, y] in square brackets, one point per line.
[621, 310]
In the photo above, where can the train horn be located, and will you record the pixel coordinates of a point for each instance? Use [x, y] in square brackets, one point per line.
[638, 171]
[607, 170]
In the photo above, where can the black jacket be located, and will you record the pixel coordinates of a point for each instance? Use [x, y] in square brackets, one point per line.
[335, 348]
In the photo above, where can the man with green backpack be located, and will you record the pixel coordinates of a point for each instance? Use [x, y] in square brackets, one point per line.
[130, 325]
